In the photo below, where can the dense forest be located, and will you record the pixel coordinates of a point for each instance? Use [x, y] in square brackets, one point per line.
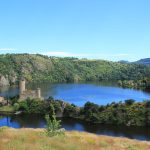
[35, 67]
[129, 112]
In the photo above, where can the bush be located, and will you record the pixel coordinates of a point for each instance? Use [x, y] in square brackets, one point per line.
[71, 111]
[14, 99]
[147, 104]
[129, 101]
[53, 125]
[16, 106]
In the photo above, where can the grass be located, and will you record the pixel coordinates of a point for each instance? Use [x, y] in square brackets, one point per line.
[7, 109]
[35, 139]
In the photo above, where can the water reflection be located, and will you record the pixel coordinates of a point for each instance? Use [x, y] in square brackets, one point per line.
[38, 121]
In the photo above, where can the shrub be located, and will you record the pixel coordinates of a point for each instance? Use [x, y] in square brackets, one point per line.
[16, 106]
[129, 101]
[147, 104]
[71, 111]
[53, 125]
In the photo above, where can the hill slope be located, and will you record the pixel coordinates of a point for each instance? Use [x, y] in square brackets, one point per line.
[43, 68]
[27, 139]
[145, 61]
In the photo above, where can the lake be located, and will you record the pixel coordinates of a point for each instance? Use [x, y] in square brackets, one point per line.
[37, 121]
[100, 93]
[79, 93]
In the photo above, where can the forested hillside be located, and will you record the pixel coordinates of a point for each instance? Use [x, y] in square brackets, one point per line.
[35, 67]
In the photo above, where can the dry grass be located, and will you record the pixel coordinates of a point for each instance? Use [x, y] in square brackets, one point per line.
[35, 139]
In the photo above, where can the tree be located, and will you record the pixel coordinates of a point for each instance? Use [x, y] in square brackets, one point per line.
[129, 101]
[71, 111]
[53, 125]
[147, 104]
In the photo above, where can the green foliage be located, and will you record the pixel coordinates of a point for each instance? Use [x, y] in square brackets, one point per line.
[53, 69]
[7, 109]
[71, 110]
[147, 104]
[57, 106]
[91, 111]
[129, 101]
[52, 124]
[44, 107]
[34, 106]
[136, 115]
[14, 99]
[16, 106]
[129, 113]
[137, 83]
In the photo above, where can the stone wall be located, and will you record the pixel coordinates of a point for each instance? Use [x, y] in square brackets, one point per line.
[24, 93]
[29, 94]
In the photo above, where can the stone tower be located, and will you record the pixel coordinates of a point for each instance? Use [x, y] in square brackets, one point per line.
[25, 93]
[39, 93]
[22, 86]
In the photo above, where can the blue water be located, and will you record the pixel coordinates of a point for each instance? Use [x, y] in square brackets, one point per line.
[37, 121]
[79, 93]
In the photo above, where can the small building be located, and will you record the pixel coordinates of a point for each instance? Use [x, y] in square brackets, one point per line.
[24, 93]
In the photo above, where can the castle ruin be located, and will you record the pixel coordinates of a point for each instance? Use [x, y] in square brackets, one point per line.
[24, 93]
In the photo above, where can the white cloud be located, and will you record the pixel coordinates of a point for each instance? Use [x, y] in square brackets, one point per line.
[60, 53]
[7, 49]
[64, 54]
[81, 55]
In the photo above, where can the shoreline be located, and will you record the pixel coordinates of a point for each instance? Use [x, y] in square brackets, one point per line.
[109, 128]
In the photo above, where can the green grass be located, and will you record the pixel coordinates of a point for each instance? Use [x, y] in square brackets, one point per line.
[7, 108]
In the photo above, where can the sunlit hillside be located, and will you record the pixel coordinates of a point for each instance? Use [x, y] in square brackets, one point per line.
[35, 139]
[53, 69]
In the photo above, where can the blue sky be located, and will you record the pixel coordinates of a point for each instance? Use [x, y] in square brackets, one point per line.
[96, 29]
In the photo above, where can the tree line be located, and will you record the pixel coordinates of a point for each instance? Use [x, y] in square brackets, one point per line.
[129, 112]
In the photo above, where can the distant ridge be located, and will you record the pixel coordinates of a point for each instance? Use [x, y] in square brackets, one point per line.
[145, 61]
[123, 61]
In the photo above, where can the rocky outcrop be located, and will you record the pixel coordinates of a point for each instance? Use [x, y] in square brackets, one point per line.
[60, 113]
[3, 102]
[13, 79]
[4, 81]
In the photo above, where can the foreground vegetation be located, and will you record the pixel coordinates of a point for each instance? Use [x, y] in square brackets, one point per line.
[53, 126]
[26, 139]
[53, 69]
